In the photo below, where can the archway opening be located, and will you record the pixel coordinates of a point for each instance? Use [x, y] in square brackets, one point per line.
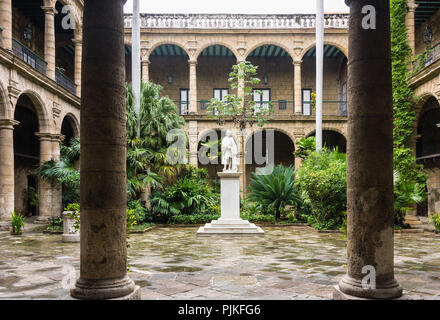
[276, 74]
[428, 153]
[261, 150]
[335, 81]
[333, 140]
[26, 157]
[214, 64]
[68, 130]
[169, 68]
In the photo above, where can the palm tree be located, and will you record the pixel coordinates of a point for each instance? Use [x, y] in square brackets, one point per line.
[274, 191]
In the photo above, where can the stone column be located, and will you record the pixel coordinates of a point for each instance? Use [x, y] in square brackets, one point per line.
[193, 87]
[103, 261]
[145, 63]
[57, 192]
[298, 86]
[193, 143]
[6, 23]
[49, 39]
[45, 188]
[411, 25]
[370, 150]
[78, 56]
[6, 168]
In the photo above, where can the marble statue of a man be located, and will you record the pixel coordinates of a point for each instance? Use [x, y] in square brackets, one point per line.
[229, 153]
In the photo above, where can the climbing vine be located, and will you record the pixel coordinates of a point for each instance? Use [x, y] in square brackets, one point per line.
[404, 99]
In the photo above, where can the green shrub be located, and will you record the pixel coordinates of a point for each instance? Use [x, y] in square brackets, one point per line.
[322, 184]
[305, 147]
[189, 195]
[17, 223]
[140, 212]
[193, 218]
[436, 220]
[274, 191]
[131, 219]
[56, 224]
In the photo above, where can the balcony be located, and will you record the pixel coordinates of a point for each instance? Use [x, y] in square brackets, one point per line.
[280, 108]
[429, 57]
[28, 56]
[65, 82]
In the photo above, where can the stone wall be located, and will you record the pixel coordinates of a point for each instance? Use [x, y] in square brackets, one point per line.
[434, 23]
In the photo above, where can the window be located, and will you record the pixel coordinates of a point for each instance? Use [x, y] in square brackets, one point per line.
[261, 98]
[343, 100]
[184, 101]
[220, 93]
[307, 102]
[282, 105]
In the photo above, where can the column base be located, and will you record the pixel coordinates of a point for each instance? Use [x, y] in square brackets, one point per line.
[352, 288]
[42, 220]
[5, 225]
[122, 289]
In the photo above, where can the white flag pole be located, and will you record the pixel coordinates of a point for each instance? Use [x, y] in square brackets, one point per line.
[136, 61]
[319, 70]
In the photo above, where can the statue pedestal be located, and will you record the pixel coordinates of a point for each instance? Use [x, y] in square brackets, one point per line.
[230, 222]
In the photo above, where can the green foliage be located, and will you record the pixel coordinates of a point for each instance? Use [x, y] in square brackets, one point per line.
[193, 218]
[146, 149]
[140, 212]
[322, 184]
[32, 196]
[189, 195]
[305, 147]
[74, 214]
[274, 191]
[403, 97]
[131, 219]
[253, 212]
[436, 221]
[17, 222]
[64, 171]
[242, 110]
[406, 193]
[56, 224]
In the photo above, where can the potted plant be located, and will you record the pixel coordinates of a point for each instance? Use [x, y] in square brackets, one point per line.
[17, 223]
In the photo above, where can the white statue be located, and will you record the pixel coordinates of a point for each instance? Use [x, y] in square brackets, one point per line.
[229, 153]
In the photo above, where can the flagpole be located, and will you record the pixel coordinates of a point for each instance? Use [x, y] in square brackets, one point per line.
[136, 62]
[319, 70]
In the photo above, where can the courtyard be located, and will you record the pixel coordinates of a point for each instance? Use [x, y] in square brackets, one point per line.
[172, 263]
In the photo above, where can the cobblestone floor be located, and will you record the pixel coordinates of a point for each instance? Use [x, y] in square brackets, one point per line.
[172, 263]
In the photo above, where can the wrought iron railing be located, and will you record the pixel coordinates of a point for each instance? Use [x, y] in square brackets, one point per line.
[65, 81]
[429, 57]
[28, 56]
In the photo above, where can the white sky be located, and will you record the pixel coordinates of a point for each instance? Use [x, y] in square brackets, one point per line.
[236, 6]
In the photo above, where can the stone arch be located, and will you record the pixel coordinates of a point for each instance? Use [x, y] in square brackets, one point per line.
[284, 147]
[341, 144]
[326, 42]
[423, 98]
[165, 42]
[267, 43]
[40, 109]
[287, 133]
[213, 43]
[73, 122]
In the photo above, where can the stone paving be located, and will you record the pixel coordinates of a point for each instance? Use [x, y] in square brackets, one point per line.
[172, 263]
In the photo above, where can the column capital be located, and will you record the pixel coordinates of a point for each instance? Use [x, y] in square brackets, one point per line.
[297, 62]
[145, 61]
[8, 124]
[77, 41]
[412, 6]
[49, 10]
[50, 137]
[192, 62]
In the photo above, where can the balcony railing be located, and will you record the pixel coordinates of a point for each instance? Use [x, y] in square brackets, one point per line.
[28, 56]
[237, 21]
[287, 108]
[430, 56]
[65, 82]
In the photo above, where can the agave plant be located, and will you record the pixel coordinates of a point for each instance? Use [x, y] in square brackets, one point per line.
[275, 191]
